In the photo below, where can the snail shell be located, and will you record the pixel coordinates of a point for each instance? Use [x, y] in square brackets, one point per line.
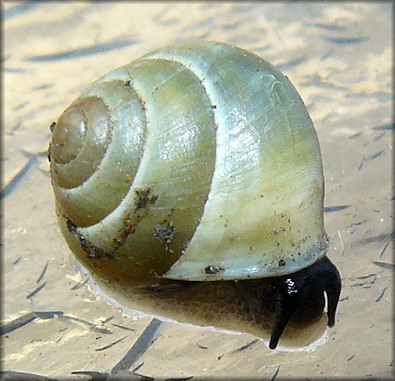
[197, 162]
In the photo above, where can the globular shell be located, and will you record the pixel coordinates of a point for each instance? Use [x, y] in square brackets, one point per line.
[198, 161]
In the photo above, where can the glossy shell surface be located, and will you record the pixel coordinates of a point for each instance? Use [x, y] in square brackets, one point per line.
[198, 161]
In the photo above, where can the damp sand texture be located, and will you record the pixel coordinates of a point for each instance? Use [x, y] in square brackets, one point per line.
[57, 324]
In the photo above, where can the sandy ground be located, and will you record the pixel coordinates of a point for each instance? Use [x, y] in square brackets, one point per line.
[56, 323]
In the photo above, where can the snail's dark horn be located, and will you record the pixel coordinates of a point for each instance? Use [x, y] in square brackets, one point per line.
[286, 305]
[332, 288]
[326, 277]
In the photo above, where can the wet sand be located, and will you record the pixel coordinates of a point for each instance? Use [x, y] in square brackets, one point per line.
[55, 320]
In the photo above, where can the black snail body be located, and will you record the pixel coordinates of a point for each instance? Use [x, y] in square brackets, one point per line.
[190, 182]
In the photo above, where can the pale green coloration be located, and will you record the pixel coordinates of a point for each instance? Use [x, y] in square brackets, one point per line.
[211, 170]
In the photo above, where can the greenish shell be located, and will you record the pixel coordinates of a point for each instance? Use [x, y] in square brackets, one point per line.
[198, 161]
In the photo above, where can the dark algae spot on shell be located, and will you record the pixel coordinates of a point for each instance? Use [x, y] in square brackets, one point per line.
[164, 232]
[92, 250]
[213, 270]
[144, 198]
[49, 152]
[71, 226]
[281, 263]
[88, 247]
[52, 126]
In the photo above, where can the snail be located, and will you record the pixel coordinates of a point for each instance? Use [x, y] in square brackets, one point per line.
[192, 179]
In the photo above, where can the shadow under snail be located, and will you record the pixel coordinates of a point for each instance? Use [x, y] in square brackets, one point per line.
[191, 179]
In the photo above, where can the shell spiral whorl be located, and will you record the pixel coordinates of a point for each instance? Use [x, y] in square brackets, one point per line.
[197, 162]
